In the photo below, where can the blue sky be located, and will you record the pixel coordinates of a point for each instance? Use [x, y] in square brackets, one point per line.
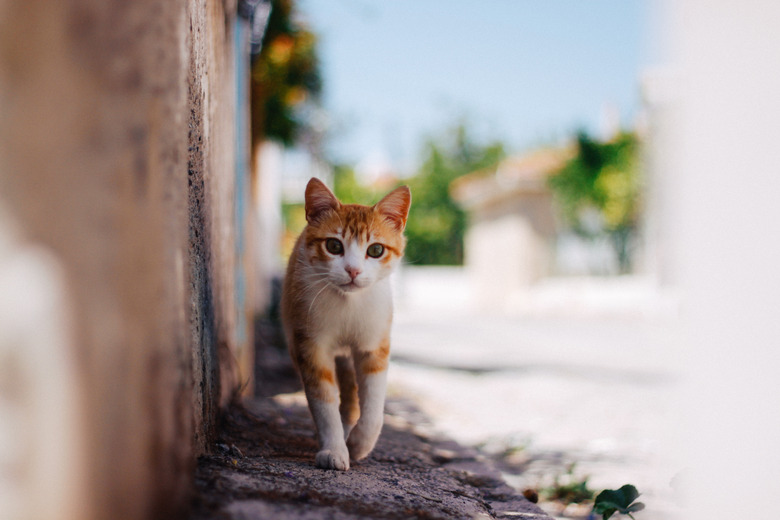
[526, 72]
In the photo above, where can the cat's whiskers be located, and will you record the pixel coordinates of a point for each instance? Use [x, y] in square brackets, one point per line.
[311, 305]
[316, 278]
[316, 274]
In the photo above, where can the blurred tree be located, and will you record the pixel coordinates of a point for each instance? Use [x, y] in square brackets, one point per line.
[603, 181]
[349, 189]
[285, 76]
[436, 224]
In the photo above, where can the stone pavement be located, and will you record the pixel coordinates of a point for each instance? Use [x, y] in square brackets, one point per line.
[263, 467]
[590, 386]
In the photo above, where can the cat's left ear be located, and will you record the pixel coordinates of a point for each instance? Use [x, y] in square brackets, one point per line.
[395, 206]
[319, 200]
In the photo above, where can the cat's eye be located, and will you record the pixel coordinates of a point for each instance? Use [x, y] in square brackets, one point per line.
[375, 250]
[334, 246]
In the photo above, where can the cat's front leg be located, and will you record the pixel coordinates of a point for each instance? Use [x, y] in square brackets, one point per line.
[323, 397]
[371, 370]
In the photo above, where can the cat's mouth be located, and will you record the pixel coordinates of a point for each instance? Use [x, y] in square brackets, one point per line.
[350, 286]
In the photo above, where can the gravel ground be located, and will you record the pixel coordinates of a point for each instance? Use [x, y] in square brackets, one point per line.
[263, 464]
[264, 468]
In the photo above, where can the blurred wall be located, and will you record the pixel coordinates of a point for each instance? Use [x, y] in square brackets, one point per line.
[119, 321]
[511, 229]
[508, 246]
[721, 196]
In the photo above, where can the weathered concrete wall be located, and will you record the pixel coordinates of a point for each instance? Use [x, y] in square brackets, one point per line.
[211, 163]
[117, 166]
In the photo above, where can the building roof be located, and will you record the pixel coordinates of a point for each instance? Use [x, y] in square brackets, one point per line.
[514, 176]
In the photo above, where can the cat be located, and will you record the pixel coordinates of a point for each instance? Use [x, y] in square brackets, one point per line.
[337, 310]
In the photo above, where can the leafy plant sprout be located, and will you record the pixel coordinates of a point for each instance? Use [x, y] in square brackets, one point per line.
[611, 501]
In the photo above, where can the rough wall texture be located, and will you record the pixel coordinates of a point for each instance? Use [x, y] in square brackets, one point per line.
[211, 186]
[117, 160]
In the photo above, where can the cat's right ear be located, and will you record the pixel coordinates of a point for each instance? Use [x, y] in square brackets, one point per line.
[319, 200]
[395, 206]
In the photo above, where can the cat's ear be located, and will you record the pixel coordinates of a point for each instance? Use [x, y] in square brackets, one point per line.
[395, 206]
[319, 200]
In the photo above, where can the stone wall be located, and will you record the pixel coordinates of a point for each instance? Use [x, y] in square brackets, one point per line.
[117, 252]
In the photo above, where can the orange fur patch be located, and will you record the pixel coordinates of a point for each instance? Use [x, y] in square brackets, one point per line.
[353, 221]
[320, 384]
[348, 391]
[376, 360]
[319, 381]
[326, 376]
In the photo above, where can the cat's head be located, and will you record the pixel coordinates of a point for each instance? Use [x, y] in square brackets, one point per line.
[352, 246]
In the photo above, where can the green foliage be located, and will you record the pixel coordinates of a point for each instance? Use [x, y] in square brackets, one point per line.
[611, 501]
[294, 218]
[285, 76]
[603, 178]
[569, 490]
[436, 224]
[348, 189]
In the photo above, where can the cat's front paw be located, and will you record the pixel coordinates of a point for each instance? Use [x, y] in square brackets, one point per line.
[333, 459]
[361, 442]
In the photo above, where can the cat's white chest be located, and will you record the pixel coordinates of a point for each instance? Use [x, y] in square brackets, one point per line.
[358, 320]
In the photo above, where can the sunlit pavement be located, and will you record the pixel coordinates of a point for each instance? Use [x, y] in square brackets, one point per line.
[596, 389]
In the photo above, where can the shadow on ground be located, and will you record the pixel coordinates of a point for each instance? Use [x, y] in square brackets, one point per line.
[264, 469]
[263, 465]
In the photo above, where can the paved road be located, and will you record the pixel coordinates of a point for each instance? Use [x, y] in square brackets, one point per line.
[595, 390]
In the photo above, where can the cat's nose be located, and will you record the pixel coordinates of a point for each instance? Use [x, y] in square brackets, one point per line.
[353, 272]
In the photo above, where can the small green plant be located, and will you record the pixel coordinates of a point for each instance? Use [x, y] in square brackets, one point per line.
[611, 501]
[569, 490]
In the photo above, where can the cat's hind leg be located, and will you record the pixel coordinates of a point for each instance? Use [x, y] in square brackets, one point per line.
[371, 370]
[348, 394]
[319, 382]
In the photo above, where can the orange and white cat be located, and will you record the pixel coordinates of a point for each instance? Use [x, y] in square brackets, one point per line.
[337, 309]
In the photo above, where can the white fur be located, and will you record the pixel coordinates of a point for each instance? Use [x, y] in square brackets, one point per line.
[354, 257]
[357, 318]
[364, 435]
[333, 452]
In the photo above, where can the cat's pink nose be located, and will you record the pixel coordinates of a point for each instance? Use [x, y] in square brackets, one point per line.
[353, 272]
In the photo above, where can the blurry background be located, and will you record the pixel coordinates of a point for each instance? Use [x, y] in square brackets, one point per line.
[530, 307]
[590, 291]
[587, 179]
